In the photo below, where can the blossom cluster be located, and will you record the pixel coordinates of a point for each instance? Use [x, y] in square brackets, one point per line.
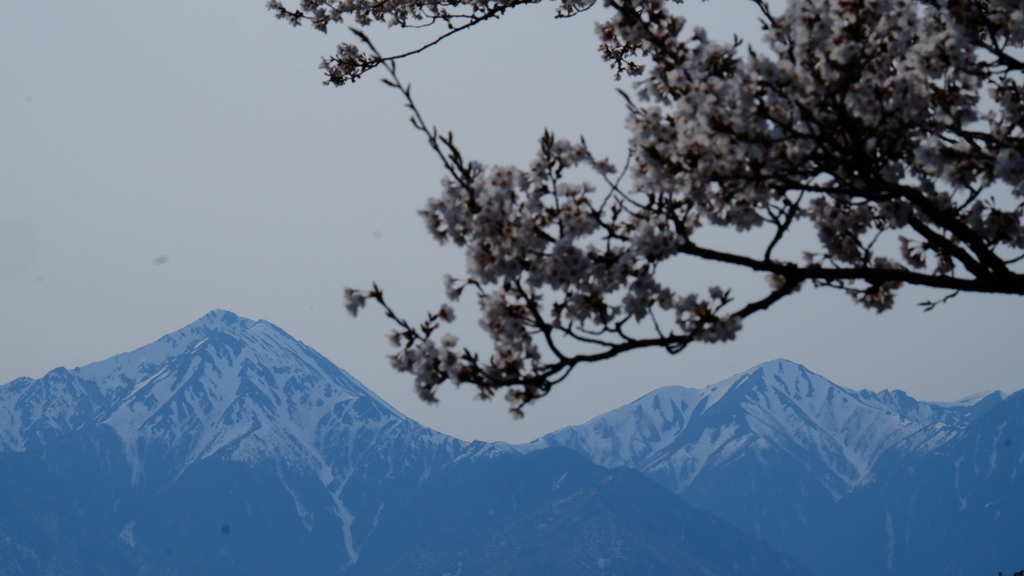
[529, 236]
[894, 129]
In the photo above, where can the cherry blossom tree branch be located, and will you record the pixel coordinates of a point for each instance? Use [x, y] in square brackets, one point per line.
[891, 129]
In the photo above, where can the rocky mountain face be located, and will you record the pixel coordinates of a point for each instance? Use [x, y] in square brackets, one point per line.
[779, 409]
[557, 513]
[230, 448]
[169, 429]
[829, 475]
[957, 510]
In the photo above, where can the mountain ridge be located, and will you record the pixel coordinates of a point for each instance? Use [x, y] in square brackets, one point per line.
[803, 463]
[225, 388]
[229, 447]
[682, 430]
[229, 441]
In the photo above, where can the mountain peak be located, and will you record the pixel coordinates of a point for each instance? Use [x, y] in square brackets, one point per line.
[216, 321]
[207, 407]
[224, 318]
[780, 364]
[778, 406]
[975, 399]
[223, 382]
[781, 373]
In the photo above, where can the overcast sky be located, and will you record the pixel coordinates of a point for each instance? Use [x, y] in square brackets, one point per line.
[162, 159]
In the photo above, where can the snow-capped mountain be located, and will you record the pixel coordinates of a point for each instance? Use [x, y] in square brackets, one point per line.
[230, 448]
[230, 390]
[955, 511]
[832, 476]
[222, 385]
[212, 385]
[675, 434]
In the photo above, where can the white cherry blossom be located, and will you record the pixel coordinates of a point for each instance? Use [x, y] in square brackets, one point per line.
[892, 128]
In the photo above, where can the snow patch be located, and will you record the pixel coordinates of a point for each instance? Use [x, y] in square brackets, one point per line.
[155, 377]
[996, 441]
[128, 534]
[956, 482]
[679, 432]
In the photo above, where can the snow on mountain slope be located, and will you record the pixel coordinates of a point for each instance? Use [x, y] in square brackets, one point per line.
[203, 387]
[677, 433]
[235, 389]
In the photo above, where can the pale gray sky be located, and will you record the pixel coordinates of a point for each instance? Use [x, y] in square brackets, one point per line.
[162, 159]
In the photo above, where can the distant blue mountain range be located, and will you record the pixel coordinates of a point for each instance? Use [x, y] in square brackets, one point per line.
[228, 447]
